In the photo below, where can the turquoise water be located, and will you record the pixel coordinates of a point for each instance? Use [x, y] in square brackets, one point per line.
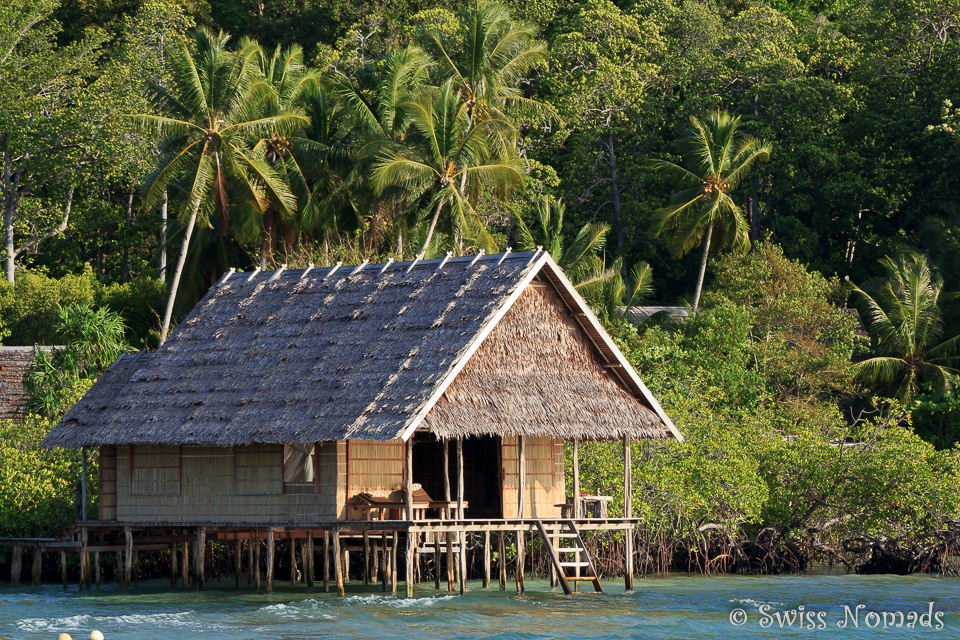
[675, 607]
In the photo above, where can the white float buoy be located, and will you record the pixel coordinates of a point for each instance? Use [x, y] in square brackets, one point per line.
[64, 636]
[96, 635]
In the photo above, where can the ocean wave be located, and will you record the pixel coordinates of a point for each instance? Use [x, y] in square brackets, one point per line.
[756, 603]
[88, 621]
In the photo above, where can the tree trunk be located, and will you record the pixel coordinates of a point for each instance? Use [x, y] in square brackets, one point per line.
[703, 267]
[433, 225]
[10, 203]
[125, 268]
[176, 276]
[163, 237]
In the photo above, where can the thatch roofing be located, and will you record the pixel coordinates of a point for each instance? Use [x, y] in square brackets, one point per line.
[365, 353]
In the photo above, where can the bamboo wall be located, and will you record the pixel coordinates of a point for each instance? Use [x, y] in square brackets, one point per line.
[375, 467]
[241, 485]
[108, 483]
[544, 487]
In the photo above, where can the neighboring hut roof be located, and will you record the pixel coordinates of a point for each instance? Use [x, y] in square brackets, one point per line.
[14, 362]
[325, 354]
[639, 315]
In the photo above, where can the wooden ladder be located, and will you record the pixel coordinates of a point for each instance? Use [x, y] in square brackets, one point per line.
[581, 558]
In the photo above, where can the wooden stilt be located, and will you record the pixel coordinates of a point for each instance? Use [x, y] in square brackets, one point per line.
[84, 559]
[627, 513]
[451, 578]
[521, 559]
[436, 559]
[63, 567]
[375, 559]
[553, 569]
[408, 479]
[576, 480]
[199, 562]
[293, 562]
[326, 561]
[271, 549]
[409, 562]
[366, 557]
[185, 563]
[462, 561]
[385, 570]
[337, 560]
[250, 544]
[16, 566]
[83, 483]
[256, 561]
[416, 558]
[37, 565]
[119, 570]
[393, 562]
[127, 558]
[502, 560]
[308, 560]
[486, 559]
[136, 568]
[346, 563]
[96, 564]
[173, 565]
[237, 562]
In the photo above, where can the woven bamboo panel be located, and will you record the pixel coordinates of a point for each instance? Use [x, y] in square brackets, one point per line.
[543, 487]
[209, 490]
[259, 470]
[108, 483]
[156, 470]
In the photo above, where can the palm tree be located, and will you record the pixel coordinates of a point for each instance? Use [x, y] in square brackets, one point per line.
[715, 160]
[577, 258]
[489, 65]
[208, 142]
[446, 162]
[905, 315]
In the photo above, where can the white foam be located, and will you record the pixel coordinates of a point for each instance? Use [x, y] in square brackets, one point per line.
[83, 621]
[756, 603]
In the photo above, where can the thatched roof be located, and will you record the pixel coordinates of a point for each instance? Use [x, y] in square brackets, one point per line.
[368, 353]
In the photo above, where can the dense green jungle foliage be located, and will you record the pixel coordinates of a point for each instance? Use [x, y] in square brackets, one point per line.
[792, 160]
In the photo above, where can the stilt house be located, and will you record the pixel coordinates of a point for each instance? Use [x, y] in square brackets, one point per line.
[299, 397]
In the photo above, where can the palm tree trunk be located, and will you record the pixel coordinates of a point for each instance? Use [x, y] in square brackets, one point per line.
[176, 276]
[433, 225]
[163, 237]
[703, 267]
[125, 266]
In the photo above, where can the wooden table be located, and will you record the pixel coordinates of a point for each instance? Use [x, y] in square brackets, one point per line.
[590, 506]
[419, 508]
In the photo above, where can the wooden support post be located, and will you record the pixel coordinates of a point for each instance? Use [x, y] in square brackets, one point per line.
[84, 559]
[576, 480]
[201, 549]
[136, 568]
[271, 549]
[436, 560]
[119, 570]
[250, 544]
[96, 563]
[16, 566]
[237, 562]
[326, 561]
[63, 568]
[256, 560]
[83, 483]
[411, 543]
[408, 479]
[521, 476]
[346, 562]
[385, 571]
[375, 559]
[393, 562]
[308, 560]
[173, 565]
[127, 557]
[37, 565]
[366, 557]
[486, 559]
[627, 513]
[520, 562]
[462, 564]
[293, 561]
[451, 580]
[337, 568]
[502, 560]
[185, 563]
